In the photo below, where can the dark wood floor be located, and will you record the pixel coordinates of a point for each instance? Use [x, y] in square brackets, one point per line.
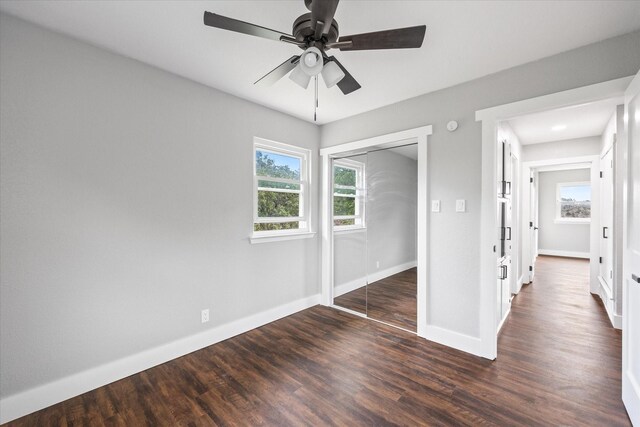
[558, 364]
[391, 300]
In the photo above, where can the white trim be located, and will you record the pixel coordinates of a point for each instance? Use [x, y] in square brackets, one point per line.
[568, 220]
[568, 98]
[350, 230]
[504, 318]
[40, 397]
[462, 342]
[564, 167]
[488, 221]
[350, 286]
[417, 135]
[268, 238]
[519, 283]
[306, 188]
[382, 274]
[408, 136]
[372, 278]
[567, 254]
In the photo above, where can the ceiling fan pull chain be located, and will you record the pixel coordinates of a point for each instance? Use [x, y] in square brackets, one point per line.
[315, 106]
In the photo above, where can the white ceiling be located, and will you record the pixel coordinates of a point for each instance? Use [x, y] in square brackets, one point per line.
[465, 40]
[580, 121]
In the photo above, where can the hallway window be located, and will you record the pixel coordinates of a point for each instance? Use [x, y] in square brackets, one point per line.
[573, 203]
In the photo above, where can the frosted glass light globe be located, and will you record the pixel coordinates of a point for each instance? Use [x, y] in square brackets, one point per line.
[310, 59]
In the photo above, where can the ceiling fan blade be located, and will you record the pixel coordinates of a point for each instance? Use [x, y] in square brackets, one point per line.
[323, 10]
[400, 38]
[225, 23]
[348, 84]
[279, 72]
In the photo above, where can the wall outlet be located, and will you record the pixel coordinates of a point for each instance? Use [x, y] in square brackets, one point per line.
[377, 264]
[461, 206]
[435, 206]
[204, 315]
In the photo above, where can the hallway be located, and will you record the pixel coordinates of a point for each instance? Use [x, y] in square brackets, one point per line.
[558, 342]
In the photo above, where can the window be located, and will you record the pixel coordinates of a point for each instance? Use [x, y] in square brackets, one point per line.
[281, 200]
[348, 194]
[573, 202]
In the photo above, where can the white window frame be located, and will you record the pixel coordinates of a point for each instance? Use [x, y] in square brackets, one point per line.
[563, 220]
[304, 231]
[360, 196]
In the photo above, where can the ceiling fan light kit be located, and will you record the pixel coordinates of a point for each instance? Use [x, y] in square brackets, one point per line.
[311, 62]
[316, 33]
[331, 74]
[300, 78]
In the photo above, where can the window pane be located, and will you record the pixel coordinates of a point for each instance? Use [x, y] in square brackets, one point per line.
[575, 201]
[294, 225]
[339, 222]
[282, 185]
[344, 176]
[344, 206]
[277, 165]
[275, 204]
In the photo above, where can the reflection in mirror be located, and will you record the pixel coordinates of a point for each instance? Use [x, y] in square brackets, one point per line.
[349, 233]
[392, 191]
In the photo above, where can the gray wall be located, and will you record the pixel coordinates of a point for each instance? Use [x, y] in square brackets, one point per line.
[559, 237]
[126, 203]
[454, 166]
[391, 208]
[392, 192]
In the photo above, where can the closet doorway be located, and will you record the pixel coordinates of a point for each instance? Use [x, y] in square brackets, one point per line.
[374, 228]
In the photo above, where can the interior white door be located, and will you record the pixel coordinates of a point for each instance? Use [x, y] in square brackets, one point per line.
[606, 220]
[533, 225]
[631, 266]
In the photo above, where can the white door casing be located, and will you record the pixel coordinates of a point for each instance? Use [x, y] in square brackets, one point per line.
[606, 221]
[631, 264]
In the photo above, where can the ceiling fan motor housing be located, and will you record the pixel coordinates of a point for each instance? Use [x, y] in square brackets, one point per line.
[304, 32]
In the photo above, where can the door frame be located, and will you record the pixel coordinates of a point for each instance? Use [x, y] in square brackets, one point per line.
[490, 117]
[568, 163]
[416, 135]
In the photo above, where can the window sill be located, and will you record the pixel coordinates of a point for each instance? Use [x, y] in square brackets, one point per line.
[585, 221]
[349, 230]
[267, 238]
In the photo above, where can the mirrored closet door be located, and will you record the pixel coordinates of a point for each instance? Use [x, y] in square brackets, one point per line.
[374, 234]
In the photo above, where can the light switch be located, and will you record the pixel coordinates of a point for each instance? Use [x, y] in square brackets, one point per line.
[435, 206]
[461, 206]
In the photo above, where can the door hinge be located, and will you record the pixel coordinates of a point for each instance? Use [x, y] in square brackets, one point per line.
[615, 138]
[531, 180]
[600, 260]
[611, 274]
[530, 268]
[600, 174]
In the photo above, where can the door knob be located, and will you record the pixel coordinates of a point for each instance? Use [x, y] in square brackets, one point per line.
[635, 278]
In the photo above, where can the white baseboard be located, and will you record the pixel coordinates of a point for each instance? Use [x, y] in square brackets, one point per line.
[40, 397]
[504, 319]
[345, 288]
[519, 284]
[462, 342]
[351, 286]
[604, 292]
[382, 274]
[568, 254]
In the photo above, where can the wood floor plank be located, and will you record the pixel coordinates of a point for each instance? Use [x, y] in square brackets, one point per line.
[559, 363]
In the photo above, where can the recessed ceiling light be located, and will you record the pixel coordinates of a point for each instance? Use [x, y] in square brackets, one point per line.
[559, 127]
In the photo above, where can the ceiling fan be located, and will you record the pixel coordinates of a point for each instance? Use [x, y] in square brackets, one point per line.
[317, 32]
